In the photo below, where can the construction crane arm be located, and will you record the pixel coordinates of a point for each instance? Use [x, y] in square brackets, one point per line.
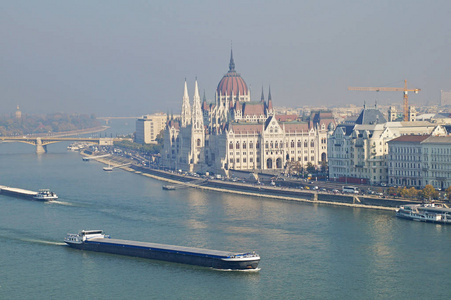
[382, 89]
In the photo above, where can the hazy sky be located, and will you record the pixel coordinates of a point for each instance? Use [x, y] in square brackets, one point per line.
[129, 58]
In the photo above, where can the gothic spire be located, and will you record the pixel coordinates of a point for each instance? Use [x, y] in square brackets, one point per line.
[186, 109]
[197, 110]
[262, 99]
[232, 63]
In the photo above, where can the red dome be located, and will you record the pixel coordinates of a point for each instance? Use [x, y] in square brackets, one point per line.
[232, 83]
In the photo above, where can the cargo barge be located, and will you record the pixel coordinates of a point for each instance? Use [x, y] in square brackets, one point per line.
[96, 240]
[42, 195]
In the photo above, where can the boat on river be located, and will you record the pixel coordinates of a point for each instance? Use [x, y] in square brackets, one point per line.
[169, 187]
[97, 240]
[45, 195]
[426, 212]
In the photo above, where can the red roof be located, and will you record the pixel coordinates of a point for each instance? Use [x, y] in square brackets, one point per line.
[286, 118]
[251, 109]
[247, 128]
[296, 127]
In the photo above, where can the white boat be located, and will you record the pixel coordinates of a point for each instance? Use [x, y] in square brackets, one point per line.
[45, 195]
[426, 212]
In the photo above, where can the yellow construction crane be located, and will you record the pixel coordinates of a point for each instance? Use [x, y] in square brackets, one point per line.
[391, 89]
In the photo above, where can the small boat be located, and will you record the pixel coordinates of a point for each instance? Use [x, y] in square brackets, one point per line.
[45, 195]
[426, 212]
[97, 240]
[169, 187]
[108, 168]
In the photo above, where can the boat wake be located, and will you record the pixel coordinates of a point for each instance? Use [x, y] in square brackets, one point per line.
[62, 203]
[43, 242]
[235, 270]
[22, 236]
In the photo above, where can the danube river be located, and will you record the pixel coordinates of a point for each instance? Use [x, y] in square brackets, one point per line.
[308, 251]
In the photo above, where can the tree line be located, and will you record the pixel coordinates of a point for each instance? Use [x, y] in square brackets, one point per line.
[427, 193]
[55, 122]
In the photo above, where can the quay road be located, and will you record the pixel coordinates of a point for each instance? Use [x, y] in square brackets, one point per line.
[282, 181]
[282, 191]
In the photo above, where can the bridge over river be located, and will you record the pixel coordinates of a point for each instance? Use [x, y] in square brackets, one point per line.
[42, 142]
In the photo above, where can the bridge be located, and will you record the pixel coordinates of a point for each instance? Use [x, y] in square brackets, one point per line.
[42, 142]
[107, 119]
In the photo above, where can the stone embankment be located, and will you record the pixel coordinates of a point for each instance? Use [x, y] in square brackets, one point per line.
[249, 189]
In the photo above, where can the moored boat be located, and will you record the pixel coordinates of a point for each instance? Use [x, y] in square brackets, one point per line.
[426, 212]
[168, 187]
[45, 195]
[96, 240]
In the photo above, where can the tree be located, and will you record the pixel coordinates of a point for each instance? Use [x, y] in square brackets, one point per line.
[403, 192]
[429, 192]
[310, 167]
[448, 193]
[392, 191]
[412, 192]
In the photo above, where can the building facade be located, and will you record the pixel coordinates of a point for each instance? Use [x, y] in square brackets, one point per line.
[235, 133]
[420, 160]
[358, 152]
[149, 127]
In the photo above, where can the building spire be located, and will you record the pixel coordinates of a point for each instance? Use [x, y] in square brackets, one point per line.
[186, 109]
[270, 108]
[197, 118]
[232, 63]
[262, 99]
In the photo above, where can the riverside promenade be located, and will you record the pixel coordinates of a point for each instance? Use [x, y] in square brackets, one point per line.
[251, 189]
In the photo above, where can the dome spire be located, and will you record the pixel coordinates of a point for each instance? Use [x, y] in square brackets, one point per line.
[232, 63]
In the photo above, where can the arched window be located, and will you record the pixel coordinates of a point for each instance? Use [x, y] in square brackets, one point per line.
[231, 146]
[312, 143]
[305, 143]
[272, 145]
[266, 145]
[237, 146]
[299, 143]
[292, 143]
[198, 142]
[257, 145]
[277, 145]
[244, 145]
[251, 145]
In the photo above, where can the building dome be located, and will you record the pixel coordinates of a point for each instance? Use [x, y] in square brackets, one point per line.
[232, 83]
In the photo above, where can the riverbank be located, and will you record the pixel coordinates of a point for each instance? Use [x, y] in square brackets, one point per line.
[250, 189]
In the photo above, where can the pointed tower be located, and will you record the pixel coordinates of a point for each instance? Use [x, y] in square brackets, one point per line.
[197, 117]
[197, 131]
[232, 63]
[262, 99]
[186, 108]
[270, 108]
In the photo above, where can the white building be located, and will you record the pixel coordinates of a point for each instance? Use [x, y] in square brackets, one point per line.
[420, 160]
[357, 152]
[148, 127]
[235, 133]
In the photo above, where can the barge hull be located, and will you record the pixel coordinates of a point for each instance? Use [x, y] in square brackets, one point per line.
[168, 253]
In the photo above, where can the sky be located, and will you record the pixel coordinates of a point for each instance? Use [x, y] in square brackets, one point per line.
[130, 58]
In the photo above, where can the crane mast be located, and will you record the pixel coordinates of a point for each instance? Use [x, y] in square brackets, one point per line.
[405, 90]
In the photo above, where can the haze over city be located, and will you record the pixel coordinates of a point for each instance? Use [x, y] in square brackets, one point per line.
[131, 58]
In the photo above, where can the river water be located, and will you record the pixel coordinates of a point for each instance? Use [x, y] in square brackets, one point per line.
[308, 251]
